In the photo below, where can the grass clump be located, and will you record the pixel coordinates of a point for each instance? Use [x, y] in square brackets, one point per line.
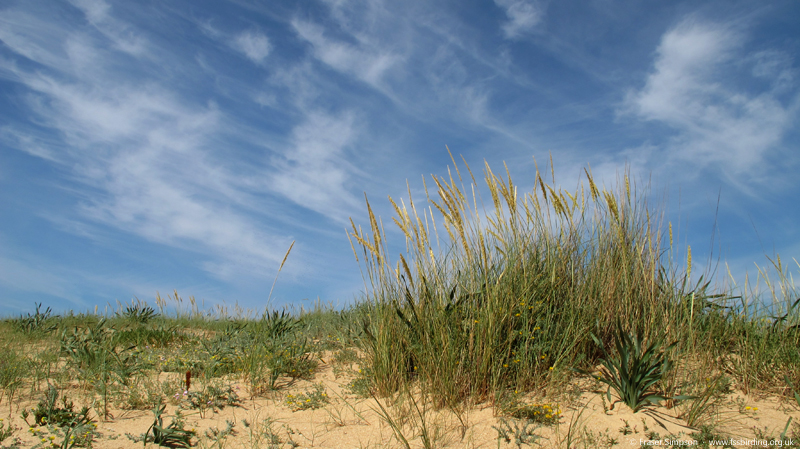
[499, 295]
[38, 324]
[516, 292]
[12, 371]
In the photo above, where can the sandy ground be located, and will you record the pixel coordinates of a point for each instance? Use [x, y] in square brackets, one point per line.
[351, 422]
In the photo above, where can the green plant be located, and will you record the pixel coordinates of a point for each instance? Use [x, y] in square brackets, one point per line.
[42, 368]
[267, 359]
[211, 397]
[7, 431]
[522, 432]
[343, 360]
[48, 412]
[704, 437]
[706, 403]
[148, 336]
[218, 436]
[143, 394]
[546, 414]
[635, 370]
[263, 433]
[92, 351]
[512, 292]
[593, 440]
[626, 429]
[41, 322]
[795, 392]
[12, 369]
[779, 441]
[82, 435]
[173, 435]
[362, 384]
[310, 400]
[337, 416]
[138, 312]
[413, 411]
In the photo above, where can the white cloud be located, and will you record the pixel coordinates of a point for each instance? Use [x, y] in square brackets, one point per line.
[523, 16]
[147, 152]
[366, 62]
[33, 37]
[35, 145]
[123, 36]
[776, 67]
[717, 123]
[95, 10]
[254, 45]
[313, 172]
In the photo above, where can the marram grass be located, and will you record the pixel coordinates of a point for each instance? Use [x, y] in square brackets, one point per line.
[505, 295]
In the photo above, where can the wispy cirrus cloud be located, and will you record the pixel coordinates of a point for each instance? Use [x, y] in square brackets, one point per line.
[123, 36]
[523, 16]
[313, 171]
[716, 123]
[148, 151]
[363, 61]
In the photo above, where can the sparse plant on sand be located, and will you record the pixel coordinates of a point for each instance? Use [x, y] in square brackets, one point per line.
[635, 369]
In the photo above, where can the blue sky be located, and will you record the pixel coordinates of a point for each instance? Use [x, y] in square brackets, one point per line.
[149, 146]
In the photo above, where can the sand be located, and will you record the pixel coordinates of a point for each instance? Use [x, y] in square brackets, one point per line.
[348, 421]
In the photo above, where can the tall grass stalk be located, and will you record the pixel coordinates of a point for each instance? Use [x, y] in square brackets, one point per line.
[516, 287]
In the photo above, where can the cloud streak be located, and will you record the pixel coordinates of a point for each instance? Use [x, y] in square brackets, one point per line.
[523, 16]
[365, 63]
[716, 124]
[312, 171]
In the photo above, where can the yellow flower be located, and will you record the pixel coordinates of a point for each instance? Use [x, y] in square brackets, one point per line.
[551, 368]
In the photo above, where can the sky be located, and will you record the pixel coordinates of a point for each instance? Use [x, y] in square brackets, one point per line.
[151, 146]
